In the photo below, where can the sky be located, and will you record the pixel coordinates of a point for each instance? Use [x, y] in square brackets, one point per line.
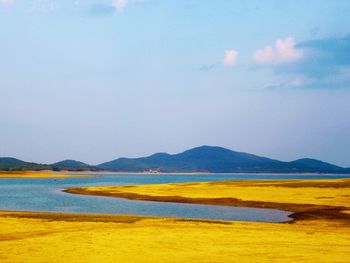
[94, 80]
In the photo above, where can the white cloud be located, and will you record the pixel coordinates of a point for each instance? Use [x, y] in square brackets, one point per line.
[283, 51]
[45, 6]
[119, 4]
[230, 57]
[7, 2]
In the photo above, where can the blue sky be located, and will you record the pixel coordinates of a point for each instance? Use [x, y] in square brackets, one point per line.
[95, 80]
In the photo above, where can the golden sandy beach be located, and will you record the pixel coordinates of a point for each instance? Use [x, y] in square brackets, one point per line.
[314, 236]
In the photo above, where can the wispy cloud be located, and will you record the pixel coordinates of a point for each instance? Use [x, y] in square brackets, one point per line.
[46, 6]
[283, 51]
[208, 67]
[324, 57]
[145, 2]
[230, 57]
[7, 2]
[296, 82]
[325, 63]
[119, 5]
[109, 8]
[101, 9]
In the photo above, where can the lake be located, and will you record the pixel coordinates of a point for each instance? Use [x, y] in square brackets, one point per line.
[45, 195]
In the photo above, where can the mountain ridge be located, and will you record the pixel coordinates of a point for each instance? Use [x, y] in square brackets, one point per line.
[217, 159]
[212, 159]
[72, 165]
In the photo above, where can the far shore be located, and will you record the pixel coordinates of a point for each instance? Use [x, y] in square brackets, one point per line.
[80, 174]
[42, 174]
[194, 173]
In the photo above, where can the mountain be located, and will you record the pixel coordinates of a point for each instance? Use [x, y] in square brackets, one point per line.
[13, 164]
[200, 159]
[10, 161]
[216, 159]
[307, 164]
[72, 165]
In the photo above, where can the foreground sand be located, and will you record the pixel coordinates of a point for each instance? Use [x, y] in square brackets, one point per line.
[312, 237]
[28, 237]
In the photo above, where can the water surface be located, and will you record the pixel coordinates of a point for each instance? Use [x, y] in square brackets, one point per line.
[45, 195]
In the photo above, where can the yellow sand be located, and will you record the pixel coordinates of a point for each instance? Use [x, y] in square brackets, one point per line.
[278, 191]
[54, 238]
[167, 240]
[31, 174]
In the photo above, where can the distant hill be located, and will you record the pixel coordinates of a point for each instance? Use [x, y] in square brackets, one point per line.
[72, 165]
[9, 160]
[307, 164]
[13, 164]
[216, 159]
[200, 159]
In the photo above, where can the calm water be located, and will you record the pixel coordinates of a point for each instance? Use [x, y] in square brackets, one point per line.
[46, 195]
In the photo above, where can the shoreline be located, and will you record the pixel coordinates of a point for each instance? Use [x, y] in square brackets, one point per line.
[195, 173]
[84, 174]
[107, 218]
[91, 238]
[300, 211]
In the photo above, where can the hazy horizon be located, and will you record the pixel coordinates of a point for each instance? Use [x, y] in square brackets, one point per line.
[95, 80]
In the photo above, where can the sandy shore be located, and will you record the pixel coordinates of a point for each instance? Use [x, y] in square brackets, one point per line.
[312, 237]
[45, 237]
[306, 198]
